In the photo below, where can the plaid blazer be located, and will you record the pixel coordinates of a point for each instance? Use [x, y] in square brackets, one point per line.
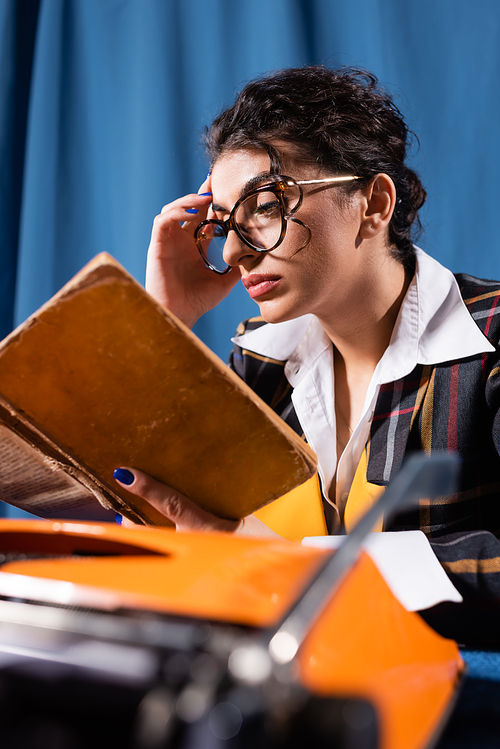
[450, 406]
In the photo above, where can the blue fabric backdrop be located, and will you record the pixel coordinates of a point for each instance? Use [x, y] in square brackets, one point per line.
[102, 103]
[119, 91]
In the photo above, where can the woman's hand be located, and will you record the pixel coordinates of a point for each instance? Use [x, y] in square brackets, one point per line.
[185, 514]
[176, 275]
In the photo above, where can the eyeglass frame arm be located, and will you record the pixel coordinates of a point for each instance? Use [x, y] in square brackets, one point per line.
[230, 224]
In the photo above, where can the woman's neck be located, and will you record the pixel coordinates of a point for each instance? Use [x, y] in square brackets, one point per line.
[363, 331]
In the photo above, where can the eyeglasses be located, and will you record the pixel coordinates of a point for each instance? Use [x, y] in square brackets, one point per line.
[259, 218]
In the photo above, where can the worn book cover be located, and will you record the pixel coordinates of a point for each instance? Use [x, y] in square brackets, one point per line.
[103, 376]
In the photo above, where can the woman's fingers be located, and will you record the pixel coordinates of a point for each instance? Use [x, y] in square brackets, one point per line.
[206, 185]
[184, 513]
[188, 202]
[176, 275]
[192, 208]
[182, 214]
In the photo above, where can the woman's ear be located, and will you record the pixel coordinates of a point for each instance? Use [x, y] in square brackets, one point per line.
[380, 198]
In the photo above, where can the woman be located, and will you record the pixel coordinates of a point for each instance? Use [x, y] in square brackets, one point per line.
[374, 349]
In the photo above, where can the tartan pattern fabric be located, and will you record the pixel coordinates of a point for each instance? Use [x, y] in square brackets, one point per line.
[472, 559]
[449, 406]
[265, 376]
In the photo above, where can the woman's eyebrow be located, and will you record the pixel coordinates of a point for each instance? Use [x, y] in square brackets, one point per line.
[253, 182]
[256, 181]
[218, 208]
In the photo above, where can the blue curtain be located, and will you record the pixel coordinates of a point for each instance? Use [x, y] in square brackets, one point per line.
[102, 103]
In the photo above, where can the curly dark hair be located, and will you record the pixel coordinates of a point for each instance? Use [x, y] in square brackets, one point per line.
[340, 120]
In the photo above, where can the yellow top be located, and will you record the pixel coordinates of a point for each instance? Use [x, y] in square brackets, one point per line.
[300, 512]
[362, 496]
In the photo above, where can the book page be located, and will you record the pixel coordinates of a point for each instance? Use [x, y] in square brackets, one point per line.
[38, 484]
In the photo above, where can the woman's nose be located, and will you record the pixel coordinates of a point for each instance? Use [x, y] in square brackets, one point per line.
[235, 251]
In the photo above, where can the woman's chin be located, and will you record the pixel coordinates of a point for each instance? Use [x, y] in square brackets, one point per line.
[275, 313]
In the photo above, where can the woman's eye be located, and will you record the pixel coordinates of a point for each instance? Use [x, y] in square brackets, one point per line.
[271, 209]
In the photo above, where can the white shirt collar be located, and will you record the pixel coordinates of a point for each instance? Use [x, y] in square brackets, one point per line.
[433, 326]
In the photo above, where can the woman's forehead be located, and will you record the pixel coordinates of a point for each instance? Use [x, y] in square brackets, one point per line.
[233, 171]
[236, 172]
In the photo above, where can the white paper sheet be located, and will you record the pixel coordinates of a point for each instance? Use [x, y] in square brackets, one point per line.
[408, 565]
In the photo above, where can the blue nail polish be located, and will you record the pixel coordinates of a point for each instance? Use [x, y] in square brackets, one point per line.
[191, 210]
[118, 518]
[205, 194]
[123, 476]
[208, 175]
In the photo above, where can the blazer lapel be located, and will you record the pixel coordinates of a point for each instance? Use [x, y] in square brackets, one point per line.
[397, 408]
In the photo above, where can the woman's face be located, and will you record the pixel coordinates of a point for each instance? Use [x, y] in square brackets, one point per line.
[326, 277]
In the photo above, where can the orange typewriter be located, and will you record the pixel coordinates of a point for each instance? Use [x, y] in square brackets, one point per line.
[145, 638]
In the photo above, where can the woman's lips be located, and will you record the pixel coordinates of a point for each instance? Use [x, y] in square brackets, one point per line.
[258, 285]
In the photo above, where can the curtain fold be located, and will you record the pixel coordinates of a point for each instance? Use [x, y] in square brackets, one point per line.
[103, 103]
[18, 23]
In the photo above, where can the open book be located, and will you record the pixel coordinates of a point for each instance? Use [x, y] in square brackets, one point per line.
[102, 376]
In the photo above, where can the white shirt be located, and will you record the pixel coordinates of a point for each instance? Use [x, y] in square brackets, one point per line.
[433, 326]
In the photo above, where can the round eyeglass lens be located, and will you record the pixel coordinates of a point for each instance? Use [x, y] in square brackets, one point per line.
[259, 220]
[211, 240]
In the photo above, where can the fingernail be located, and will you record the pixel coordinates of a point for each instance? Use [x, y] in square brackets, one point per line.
[205, 194]
[123, 476]
[191, 210]
[208, 175]
[118, 518]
